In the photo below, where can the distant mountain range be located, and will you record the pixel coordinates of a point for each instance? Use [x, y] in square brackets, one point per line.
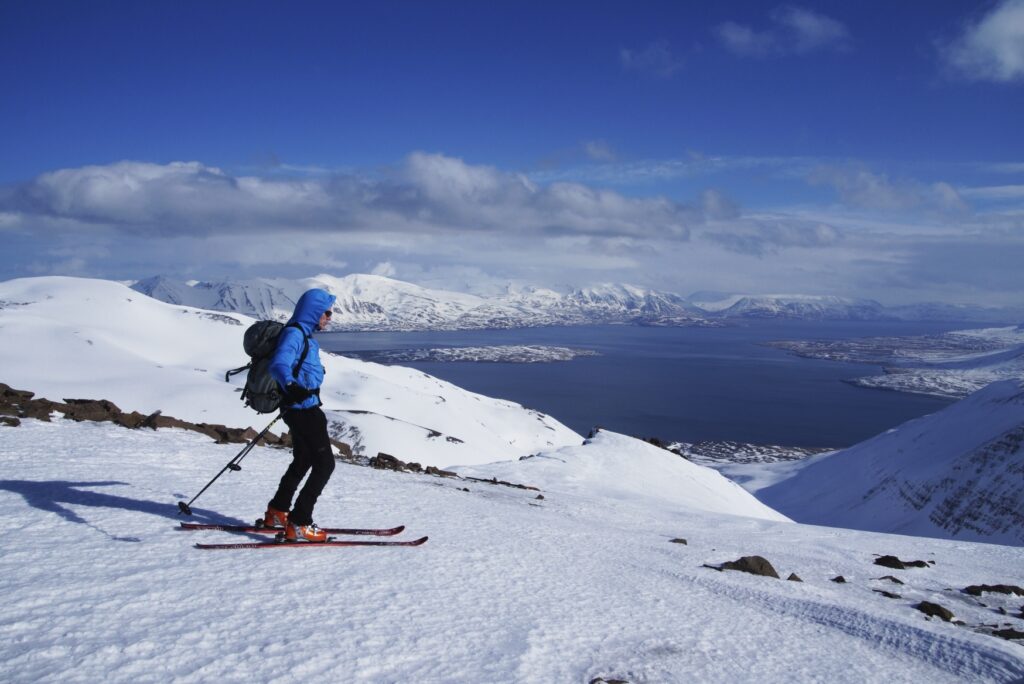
[369, 302]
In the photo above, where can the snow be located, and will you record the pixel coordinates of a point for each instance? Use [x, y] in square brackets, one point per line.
[576, 581]
[81, 338]
[956, 473]
[509, 588]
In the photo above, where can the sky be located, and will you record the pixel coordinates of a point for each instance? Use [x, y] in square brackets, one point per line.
[868, 149]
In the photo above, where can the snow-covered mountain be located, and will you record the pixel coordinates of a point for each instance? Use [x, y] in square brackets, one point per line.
[369, 302]
[78, 338]
[952, 364]
[806, 307]
[956, 474]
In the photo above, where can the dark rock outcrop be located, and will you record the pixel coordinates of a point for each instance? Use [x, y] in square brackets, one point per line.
[19, 404]
[935, 610]
[979, 589]
[755, 565]
[897, 564]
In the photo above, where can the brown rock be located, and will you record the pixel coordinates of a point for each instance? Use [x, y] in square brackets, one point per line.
[91, 409]
[755, 565]
[10, 421]
[793, 577]
[896, 564]
[384, 461]
[979, 589]
[935, 610]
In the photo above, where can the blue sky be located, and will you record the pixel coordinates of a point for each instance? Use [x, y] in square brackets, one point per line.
[862, 149]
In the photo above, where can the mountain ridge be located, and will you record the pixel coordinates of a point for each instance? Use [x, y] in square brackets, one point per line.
[377, 303]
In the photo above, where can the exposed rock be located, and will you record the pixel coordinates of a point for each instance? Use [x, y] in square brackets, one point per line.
[839, 579]
[131, 420]
[496, 481]
[897, 564]
[414, 467]
[1009, 633]
[793, 577]
[384, 461]
[755, 565]
[678, 540]
[99, 410]
[8, 392]
[894, 580]
[935, 610]
[979, 589]
[10, 421]
[602, 680]
[540, 497]
[886, 594]
[431, 470]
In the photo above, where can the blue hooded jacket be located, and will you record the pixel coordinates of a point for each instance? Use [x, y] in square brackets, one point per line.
[308, 309]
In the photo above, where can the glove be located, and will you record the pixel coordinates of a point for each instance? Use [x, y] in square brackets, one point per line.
[294, 394]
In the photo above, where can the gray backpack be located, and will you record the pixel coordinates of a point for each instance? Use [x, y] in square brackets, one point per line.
[261, 391]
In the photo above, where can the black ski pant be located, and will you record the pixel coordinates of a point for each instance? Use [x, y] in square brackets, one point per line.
[311, 452]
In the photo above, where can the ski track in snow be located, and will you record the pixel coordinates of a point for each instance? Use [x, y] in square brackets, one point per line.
[100, 586]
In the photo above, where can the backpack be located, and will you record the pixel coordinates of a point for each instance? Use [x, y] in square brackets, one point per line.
[261, 391]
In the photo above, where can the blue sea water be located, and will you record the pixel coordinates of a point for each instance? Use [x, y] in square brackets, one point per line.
[686, 384]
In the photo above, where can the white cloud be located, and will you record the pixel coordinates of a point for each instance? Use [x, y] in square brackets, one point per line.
[793, 30]
[995, 192]
[655, 60]
[599, 150]
[385, 268]
[429, 193]
[991, 48]
[745, 41]
[810, 30]
[861, 188]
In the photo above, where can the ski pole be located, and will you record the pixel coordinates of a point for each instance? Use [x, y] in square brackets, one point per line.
[232, 465]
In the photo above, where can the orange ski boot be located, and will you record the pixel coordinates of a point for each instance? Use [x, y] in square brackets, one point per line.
[304, 533]
[275, 519]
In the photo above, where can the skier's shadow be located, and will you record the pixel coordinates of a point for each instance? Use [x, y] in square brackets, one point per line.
[50, 494]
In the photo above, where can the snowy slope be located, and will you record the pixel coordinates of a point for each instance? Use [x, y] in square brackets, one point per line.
[98, 584]
[618, 468]
[78, 338]
[958, 473]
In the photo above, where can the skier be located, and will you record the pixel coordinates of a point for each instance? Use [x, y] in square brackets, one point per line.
[311, 446]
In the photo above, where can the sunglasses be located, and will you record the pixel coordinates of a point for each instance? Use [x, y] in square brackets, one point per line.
[327, 313]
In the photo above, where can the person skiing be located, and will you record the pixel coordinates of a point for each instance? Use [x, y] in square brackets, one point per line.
[311, 445]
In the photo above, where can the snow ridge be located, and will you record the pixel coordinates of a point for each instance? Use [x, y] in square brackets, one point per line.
[957, 474]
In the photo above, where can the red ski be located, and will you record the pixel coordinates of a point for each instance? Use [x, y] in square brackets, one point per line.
[309, 545]
[261, 529]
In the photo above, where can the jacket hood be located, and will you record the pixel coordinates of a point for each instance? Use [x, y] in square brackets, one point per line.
[310, 307]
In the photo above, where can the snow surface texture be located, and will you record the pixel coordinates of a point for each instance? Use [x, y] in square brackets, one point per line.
[77, 338]
[510, 588]
[957, 473]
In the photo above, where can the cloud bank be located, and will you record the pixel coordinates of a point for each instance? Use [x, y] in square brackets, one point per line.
[991, 48]
[441, 221]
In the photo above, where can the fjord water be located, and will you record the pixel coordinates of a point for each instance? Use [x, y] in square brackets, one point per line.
[686, 384]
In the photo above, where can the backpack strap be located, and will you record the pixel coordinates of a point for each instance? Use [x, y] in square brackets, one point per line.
[305, 349]
[236, 371]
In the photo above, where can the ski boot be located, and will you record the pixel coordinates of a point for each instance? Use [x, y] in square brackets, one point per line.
[304, 533]
[275, 519]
